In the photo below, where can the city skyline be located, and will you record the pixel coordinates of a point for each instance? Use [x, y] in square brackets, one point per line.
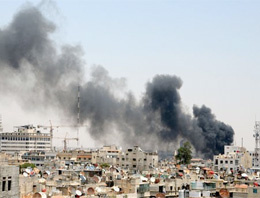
[210, 46]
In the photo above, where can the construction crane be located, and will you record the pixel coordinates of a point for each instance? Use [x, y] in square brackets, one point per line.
[51, 127]
[65, 140]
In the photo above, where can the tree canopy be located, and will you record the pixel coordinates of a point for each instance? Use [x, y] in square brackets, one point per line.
[184, 154]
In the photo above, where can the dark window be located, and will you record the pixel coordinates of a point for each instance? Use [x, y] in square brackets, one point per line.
[216, 161]
[226, 162]
[221, 161]
[9, 184]
[134, 159]
[161, 189]
[3, 184]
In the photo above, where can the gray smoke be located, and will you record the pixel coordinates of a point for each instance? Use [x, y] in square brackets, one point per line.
[42, 75]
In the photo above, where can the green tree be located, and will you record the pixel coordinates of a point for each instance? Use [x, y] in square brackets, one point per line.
[104, 165]
[184, 154]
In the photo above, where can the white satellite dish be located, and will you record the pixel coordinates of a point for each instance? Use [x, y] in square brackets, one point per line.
[43, 195]
[25, 174]
[244, 175]
[152, 179]
[78, 192]
[99, 190]
[116, 189]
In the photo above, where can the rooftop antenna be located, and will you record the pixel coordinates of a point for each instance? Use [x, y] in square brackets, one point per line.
[78, 120]
[257, 142]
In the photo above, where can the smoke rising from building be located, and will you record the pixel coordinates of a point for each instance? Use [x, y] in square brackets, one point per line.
[41, 75]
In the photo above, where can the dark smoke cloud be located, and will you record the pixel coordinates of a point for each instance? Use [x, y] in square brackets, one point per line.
[41, 75]
[216, 133]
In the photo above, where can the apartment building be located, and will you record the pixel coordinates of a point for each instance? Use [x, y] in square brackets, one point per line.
[106, 154]
[234, 158]
[75, 156]
[25, 138]
[137, 159]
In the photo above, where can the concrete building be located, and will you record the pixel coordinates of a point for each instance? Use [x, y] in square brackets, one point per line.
[39, 158]
[26, 138]
[9, 181]
[75, 156]
[234, 158]
[244, 156]
[106, 154]
[136, 159]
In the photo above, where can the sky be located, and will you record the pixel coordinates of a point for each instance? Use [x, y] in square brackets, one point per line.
[213, 46]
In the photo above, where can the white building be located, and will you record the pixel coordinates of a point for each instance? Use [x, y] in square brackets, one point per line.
[25, 138]
[234, 158]
[136, 159]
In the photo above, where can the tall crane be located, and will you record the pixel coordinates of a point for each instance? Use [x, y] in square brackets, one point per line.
[51, 127]
[65, 140]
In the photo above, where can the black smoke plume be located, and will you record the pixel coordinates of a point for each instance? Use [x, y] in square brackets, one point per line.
[41, 75]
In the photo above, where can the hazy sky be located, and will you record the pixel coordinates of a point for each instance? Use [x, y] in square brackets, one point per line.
[213, 46]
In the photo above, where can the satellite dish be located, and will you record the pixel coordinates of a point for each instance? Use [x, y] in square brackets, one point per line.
[25, 174]
[78, 192]
[116, 189]
[244, 175]
[224, 193]
[43, 195]
[152, 179]
[160, 195]
[99, 190]
[144, 179]
[91, 191]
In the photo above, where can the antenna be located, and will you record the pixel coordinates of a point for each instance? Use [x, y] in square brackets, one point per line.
[78, 114]
[257, 142]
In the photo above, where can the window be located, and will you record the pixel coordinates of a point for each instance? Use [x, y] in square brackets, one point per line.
[236, 162]
[226, 162]
[9, 183]
[3, 184]
[231, 162]
[216, 161]
[134, 159]
[221, 161]
[134, 166]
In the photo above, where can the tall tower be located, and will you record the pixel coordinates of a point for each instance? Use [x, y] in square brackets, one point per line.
[78, 118]
[257, 143]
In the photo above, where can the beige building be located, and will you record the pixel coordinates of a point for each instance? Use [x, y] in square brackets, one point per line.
[106, 154]
[75, 156]
[137, 159]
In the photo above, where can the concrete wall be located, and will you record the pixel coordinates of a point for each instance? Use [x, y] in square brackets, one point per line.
[9, 181]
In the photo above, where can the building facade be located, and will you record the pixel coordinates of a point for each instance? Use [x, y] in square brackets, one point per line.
[137, 159]
[106, 154]
[9, 181]
[26, 138]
